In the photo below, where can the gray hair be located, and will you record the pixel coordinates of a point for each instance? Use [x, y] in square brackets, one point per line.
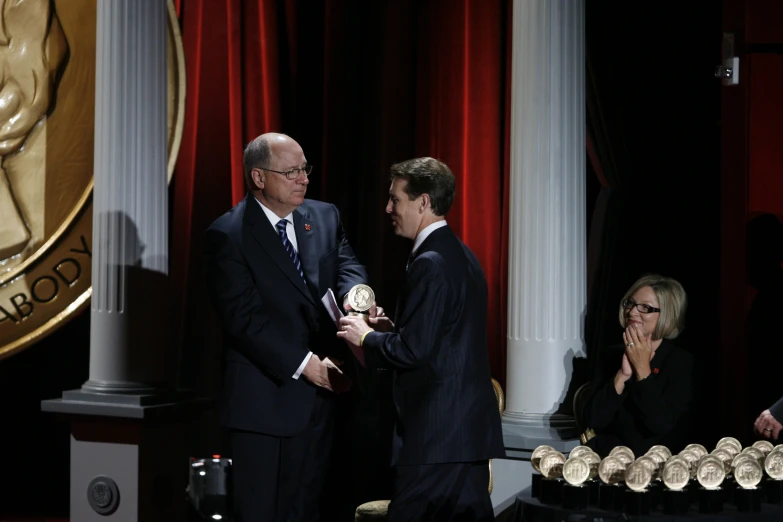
[257, 155]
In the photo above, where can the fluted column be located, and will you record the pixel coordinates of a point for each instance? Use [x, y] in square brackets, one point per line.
[547, 277]
[130, 199]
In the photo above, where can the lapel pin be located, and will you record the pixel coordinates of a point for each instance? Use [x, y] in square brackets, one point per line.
[307, 226]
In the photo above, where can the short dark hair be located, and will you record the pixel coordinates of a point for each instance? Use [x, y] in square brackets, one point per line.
[257, 155]
[427, 176]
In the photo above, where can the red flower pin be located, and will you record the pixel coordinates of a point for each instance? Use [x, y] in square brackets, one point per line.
[307, 226]
[656, 370]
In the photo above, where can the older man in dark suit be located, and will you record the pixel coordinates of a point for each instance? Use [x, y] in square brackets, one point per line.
[269, 261]
[447, 422]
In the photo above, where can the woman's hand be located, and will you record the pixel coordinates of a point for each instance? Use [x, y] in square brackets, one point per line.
[623, 374]
[625, 368]
[638, 350]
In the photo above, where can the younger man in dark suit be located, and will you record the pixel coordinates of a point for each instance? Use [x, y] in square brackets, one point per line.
[447, 423]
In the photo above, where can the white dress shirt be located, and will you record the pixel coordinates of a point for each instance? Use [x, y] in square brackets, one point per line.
[424, 234]
[289, 230]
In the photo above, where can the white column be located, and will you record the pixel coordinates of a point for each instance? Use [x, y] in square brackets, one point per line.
[130, 200]
[547, 276]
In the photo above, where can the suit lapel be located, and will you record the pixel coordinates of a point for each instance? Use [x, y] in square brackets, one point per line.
[304, 228]
[263, 232]
[424, 247]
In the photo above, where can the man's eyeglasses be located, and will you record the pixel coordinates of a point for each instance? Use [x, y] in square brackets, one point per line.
[293, 173]
[643, 308]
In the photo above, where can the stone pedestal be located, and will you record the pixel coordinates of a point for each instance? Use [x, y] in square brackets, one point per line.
[128, 463]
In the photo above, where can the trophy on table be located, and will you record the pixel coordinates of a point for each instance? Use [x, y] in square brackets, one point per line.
[579, 472]
[535, 462]
[676, 475]
[637, 498]
[551, 466]
[773, 465]
[710, 473]
[747, 474]
[612, 474]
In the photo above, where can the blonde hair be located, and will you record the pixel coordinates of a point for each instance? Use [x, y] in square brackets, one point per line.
[671, 300]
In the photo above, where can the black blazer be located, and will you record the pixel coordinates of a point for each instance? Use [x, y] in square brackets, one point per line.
[270, 317]
[776, 410]
[446, 409]
[649, 412]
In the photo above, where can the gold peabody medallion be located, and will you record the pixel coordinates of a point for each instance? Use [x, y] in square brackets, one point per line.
[361, 297]
[47, 115]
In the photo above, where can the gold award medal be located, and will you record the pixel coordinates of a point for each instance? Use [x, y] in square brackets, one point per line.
[626, 449]
[47, 98]
[593, 460]
[739, 458]
[611, 470]
[626, 457]
[698, 449]
[676, 474]
[748, 473]
[650, 464]
[360, 298]
[711, 472]
[637, 476]
[663, 449]
[657, 457]
[576, 470]
[677, 457]
[773, 465]
[724, 457]
[729, 440]
[578, 451]
[691, 458]
[552, 464]
[755, 453]
[535, 457]
[731, 449]
[763, 446]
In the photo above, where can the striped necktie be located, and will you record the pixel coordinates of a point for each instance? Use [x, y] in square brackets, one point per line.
[289, 247]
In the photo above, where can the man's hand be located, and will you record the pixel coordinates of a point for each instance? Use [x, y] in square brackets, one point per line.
[325, 374]
[376, 311]
[378, 320]
[351, 330]
[767, 426]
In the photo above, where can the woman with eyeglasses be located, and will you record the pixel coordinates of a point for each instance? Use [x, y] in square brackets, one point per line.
[643, 391]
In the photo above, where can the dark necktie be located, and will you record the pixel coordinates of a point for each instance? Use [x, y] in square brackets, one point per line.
[289, 247]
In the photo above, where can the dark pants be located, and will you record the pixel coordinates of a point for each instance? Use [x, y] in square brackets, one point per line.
[441, 492]
[279, 479]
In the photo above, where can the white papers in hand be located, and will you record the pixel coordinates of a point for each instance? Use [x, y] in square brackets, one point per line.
[332, 308]
[335, 312]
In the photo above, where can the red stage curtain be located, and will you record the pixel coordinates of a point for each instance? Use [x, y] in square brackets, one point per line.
[461, 108]
[360, 86]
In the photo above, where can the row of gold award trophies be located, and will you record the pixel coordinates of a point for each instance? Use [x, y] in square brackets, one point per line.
[730, 473]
